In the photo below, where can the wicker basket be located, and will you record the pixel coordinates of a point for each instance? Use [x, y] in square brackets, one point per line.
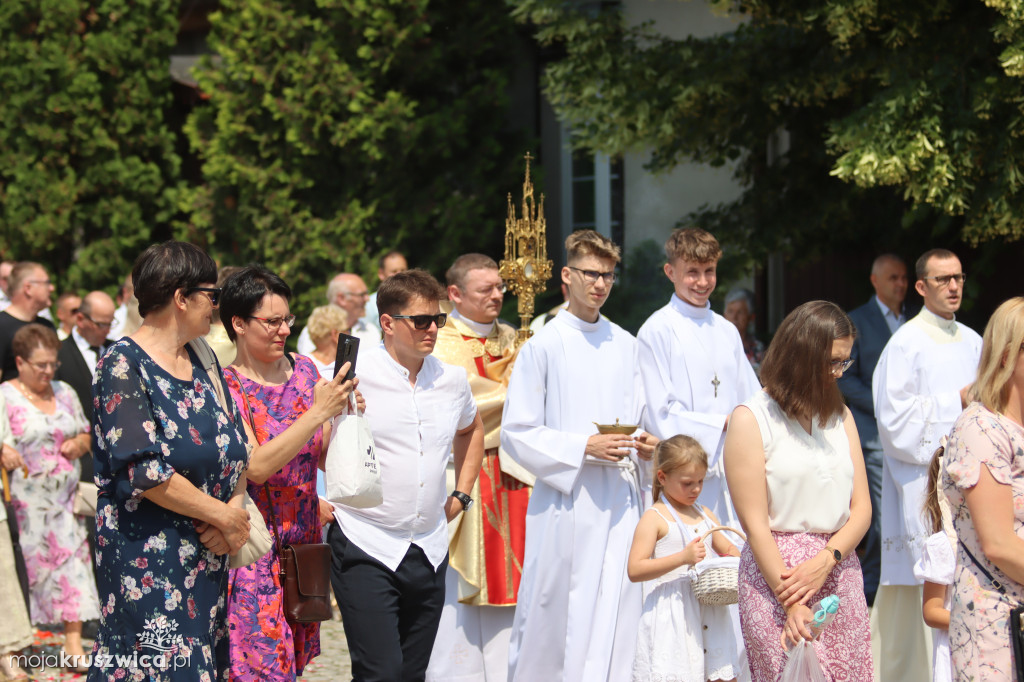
[717, 586]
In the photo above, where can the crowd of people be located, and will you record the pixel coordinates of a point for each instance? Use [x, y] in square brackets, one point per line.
[549, 510]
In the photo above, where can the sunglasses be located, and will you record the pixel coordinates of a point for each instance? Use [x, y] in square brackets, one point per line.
[213, 292]
[423, 322]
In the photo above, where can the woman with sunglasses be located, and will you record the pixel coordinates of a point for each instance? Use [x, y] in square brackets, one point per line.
[285, 407]
[796, 475]
[170, 464]
[51, 433]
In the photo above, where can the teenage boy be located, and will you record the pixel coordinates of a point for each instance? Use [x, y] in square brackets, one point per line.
[577, 612]
[694, 369]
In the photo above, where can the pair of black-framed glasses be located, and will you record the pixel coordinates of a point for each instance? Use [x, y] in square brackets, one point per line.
[423, 322]
[214, 293]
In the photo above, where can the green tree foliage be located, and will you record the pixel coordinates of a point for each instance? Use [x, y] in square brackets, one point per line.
[338, 129]
[900, 114]
[88, 173]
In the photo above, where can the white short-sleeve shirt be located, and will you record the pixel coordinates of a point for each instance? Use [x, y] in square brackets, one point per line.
[809, 475]
[413, 428]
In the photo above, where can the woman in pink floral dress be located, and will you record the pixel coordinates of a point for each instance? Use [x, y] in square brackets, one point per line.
[985, 485]
[51, 433]
[285, 406]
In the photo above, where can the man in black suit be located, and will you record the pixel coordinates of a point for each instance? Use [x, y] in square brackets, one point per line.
[875, 321]
[84, 347]
[77, 360]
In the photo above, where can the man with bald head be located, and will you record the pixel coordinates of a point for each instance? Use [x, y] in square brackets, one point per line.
[349, 292]
[86, 344]
[875, 321]
[77, 360]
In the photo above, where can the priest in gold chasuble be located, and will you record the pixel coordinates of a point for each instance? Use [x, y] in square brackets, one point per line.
[488, 541]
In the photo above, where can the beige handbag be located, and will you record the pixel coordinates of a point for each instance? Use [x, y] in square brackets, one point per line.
[259, 542]
[85, 499]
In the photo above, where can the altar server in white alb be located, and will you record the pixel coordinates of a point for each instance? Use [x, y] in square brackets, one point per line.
[578, 613]
[692, 362]
[920, 387]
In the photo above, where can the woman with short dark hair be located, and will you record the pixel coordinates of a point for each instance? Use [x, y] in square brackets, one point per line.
[51, 433]
[796, 475]
[170, 465]
[285, 406]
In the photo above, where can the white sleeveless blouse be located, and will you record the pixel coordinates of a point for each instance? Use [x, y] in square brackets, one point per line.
[810, 475]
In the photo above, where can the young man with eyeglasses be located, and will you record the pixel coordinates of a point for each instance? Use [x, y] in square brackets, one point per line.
[920, 387]
[30, 290]
[577, 613]
[487, 541]
[389, 562]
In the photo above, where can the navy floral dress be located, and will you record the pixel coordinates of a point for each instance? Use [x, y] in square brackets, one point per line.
[162, 594]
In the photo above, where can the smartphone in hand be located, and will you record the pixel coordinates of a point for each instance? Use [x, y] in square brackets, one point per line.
[348, 349]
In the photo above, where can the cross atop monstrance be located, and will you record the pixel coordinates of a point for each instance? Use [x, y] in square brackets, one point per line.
[526, 268]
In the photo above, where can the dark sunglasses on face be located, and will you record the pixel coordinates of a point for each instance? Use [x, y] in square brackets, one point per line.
[214, 293]
[423, 322]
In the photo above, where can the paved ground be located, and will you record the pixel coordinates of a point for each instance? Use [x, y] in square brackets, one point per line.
[333, 664]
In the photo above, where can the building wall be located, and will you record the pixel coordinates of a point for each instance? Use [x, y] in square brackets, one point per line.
[655, 203]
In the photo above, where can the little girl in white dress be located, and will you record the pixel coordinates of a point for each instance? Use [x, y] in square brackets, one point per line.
[935, 569]
[679, 639]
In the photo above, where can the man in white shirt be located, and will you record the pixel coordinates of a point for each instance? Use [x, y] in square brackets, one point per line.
[349, 292]
[695, 371]
[389, 562]
[391, 263]
[920, 387]
[876, 321]
[577, 612]
[486, 551]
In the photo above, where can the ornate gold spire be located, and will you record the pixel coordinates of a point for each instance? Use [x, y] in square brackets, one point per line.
[526, 268]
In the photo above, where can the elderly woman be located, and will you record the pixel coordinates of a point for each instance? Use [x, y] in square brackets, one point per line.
[51, 433]
[285, 405]
[325, 325]
[170, 463]
[796, 474]
[985, 485]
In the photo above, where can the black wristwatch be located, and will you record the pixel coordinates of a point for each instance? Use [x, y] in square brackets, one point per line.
[836, 554]
[465, 499]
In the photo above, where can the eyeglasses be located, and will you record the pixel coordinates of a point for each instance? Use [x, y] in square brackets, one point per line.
[944, 280]
[840, 366]
[590, 276]
[44, 366]
[104, 325]
[274, 323]
[423, 322]
[39, 281]
[214, 293]
[361, 294]
[484, 291]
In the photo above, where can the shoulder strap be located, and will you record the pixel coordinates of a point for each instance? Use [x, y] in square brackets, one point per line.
[266, 485]
[991, 578]
[208, 360]
[684, 530]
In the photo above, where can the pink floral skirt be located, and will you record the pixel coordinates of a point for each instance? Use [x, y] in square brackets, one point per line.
[844, 648]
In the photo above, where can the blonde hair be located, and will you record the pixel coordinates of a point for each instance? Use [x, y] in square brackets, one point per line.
[1000, 348]
[931, 507]
[583, 243]
[325, 319]
[674, 453]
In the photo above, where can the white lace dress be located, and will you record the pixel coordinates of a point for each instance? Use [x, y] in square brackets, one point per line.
[680, 640]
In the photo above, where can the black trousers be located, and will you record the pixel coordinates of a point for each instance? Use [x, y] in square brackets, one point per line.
[390, 618]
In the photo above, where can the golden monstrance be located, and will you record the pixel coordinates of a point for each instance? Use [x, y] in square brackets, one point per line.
[526, 268]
